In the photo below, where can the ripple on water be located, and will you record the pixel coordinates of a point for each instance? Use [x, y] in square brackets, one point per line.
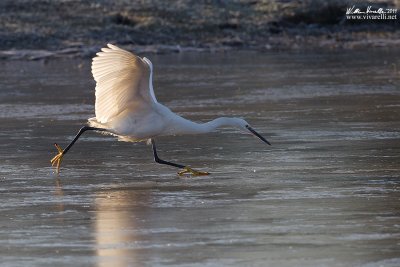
[324, 194]
[45, 111]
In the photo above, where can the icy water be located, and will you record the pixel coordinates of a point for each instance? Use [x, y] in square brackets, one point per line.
[326, 193]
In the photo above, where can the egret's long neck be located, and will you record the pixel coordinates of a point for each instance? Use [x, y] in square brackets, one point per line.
[218, 122]
[184, 126]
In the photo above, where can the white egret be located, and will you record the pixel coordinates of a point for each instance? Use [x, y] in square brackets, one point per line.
[126, 106]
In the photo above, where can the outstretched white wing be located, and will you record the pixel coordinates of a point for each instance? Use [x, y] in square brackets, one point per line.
[122, 80]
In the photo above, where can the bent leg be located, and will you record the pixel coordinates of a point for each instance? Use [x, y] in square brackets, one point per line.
[81, 131]
[161, 161]
[185, 170]
[58, 158]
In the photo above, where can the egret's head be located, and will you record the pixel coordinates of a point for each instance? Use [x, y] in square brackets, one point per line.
[245, 126]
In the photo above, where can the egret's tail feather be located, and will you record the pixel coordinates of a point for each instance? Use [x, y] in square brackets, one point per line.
[94, 123]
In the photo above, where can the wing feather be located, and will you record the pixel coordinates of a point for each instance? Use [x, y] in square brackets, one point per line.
[122, 80]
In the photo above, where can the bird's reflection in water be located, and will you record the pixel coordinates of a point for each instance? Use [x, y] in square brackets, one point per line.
[116, 226]
[59, 194]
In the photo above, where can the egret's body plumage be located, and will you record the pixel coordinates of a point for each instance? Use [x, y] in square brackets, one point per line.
[125, 101]
[126, 105]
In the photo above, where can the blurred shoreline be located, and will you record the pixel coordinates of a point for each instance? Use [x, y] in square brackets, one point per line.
[41, 29]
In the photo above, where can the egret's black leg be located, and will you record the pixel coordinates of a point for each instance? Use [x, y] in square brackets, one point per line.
[185, 170]
[161, 161]
[81, 131]
[61, 152]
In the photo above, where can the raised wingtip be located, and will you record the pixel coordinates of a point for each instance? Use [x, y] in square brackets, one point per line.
[114, 47]
[109, 48]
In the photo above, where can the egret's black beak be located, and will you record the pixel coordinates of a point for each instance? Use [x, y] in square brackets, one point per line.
[257, 134]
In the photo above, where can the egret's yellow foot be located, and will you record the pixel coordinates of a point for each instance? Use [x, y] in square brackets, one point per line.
[58, 158]
[188, 170]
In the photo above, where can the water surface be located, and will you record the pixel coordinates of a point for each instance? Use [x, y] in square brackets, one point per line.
[326, 193]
